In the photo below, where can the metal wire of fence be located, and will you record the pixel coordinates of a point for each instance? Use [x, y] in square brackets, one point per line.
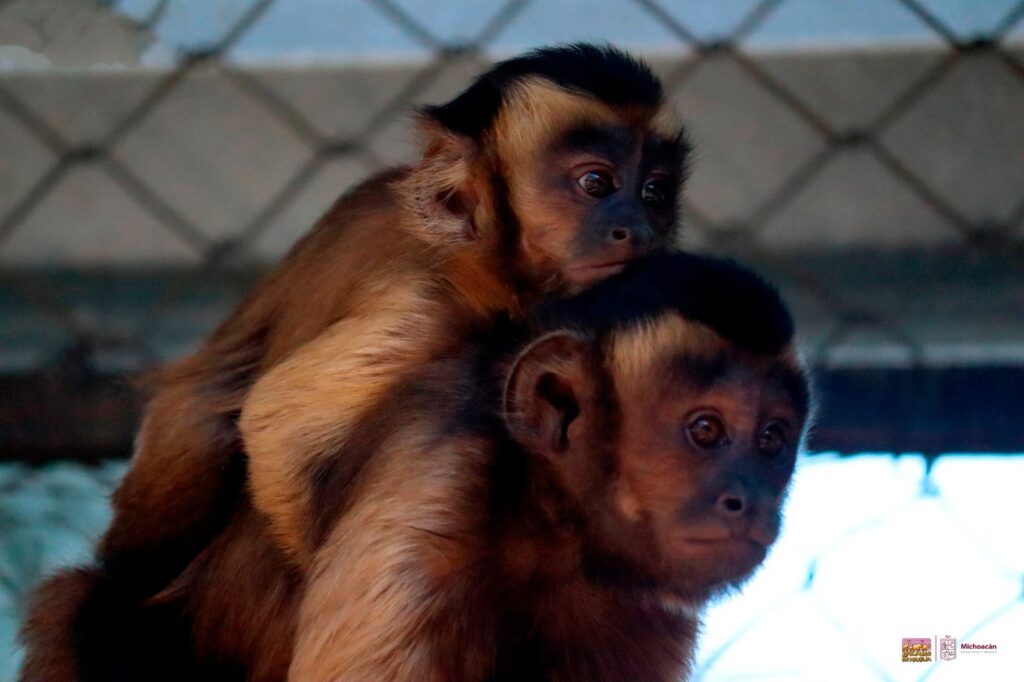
[999, 238]
[735, 235]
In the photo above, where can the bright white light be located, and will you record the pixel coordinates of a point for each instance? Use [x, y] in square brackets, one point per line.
[867, 558]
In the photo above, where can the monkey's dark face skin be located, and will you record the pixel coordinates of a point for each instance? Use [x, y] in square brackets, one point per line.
[620, 185]
[598, 189]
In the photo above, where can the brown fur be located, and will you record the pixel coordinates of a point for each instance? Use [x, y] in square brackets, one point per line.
[241, 597]
[389, 278]
[432, 575]
[397, 273]
[49, 636]
[230, 616]
[562, 554]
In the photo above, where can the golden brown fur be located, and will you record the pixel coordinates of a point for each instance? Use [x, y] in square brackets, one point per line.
[580, 570]
[51, 656]
[397, 273]
[243, 597]
[389, 277]
[537, 504]
[418, 582]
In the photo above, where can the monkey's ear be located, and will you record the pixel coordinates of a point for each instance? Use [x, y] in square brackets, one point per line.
[444, 189]
[547, 387]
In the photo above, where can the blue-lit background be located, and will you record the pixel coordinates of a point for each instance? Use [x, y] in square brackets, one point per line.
[156, 156]
[873, 550]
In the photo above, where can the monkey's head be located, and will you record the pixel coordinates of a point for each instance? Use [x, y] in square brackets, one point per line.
[666, 406]
[567, 160]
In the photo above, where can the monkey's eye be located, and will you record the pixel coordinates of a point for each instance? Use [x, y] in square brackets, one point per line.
[655, 191]
[707, 431]
[596, 183]
[772, 439]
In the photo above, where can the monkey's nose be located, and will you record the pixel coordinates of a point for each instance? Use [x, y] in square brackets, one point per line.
[636, 235]
[731, 504]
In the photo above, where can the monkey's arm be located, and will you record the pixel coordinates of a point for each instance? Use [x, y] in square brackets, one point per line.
[387, 595]
[304, 410]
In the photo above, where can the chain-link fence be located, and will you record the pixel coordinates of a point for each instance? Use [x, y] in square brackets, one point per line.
[881, 187]
[880, 183]
[137, 204]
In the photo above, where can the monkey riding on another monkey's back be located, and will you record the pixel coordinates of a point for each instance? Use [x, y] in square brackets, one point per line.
[552, 500]
[562, 508]
[549, 173]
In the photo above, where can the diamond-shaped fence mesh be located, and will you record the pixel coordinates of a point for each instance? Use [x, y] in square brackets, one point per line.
[881, 186]
[209, 164]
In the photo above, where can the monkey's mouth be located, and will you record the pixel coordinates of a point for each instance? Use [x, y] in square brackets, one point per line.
[727, 541]
[590, 273]
[738, 550]
[703, 567]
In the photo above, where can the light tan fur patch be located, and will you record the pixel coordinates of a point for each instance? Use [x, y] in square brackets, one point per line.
[636, 352]
[371, 590]
[312, 400]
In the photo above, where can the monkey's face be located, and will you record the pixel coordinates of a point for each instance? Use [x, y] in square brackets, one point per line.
[609, 196]
[707, 452]
[681, 486]
[707, 443]
[592, 187]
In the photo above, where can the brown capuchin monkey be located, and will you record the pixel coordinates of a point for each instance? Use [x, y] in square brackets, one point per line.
[552, 171]
[551, 500]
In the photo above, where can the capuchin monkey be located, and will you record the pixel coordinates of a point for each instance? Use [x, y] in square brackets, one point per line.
[554, 499]
[552, 171]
